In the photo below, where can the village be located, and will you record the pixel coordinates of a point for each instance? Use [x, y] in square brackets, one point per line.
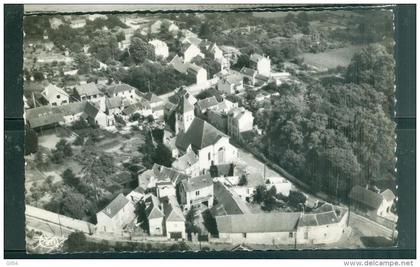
[134, 164]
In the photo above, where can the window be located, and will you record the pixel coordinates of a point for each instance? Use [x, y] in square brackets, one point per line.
[209, 156]
[244, 235]
[291, 235]
[197, 193]
[58, 96]
[306, 236]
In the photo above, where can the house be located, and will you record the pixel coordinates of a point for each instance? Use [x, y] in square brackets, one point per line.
[262, 96]
[324, 225]
[55, 95]
[210, 144]
[95, 116]
[49, 46]
[173, 28]
[228, 201]
[115, 105]
[174, 221]
[206, 104]
[55, 23]
[78, 23]
[261, 63]
[372, 203]
[188, 164]
[136, 195]
[122, 90]
[155, 27]
[196, 191]
[231, 84]
[43, 117]
[149, 178]
[258, 228]
[198, 72]
[177, 63]
[239, 120]
[160, 47]
[88, 91]
[249, 75]
[73, 111]
[231, 53]
[142, 107]
[154, 215]
[117, 215]
[281, 184]
[165, 188]
[191, 51]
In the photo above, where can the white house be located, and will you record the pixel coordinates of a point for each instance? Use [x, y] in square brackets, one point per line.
[78, 23]
[122, 90]
[165, 188]
[190, 51]
[198, 72]
[231, 84]
[88, 91]
[239, 120]
[210, 144]
[372, 203]
[158, 173]
[136, 195]
[154, 215]
[160, 47]
[188, 163]
[55, 95]
[281, 184]
[114, 217]
[196, 191]
[174, 222]
[262, 64]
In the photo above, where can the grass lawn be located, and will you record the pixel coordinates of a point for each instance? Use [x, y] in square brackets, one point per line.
[331, 58]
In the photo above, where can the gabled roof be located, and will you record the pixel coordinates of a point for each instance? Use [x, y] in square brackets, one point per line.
[207, 103]
[162, 173]
[185, 161]
[90, 110]
[153, 211]
[231, 201]
[133, 108]
[117, 88]
[88, 89]
[366, 197]
[248, 72]
[197, 182]
[114, 102]
[43, 116]
[234, 78]
[52, 90]
[388, 195]
[115, 206]
[72, 108]
[171, 209]
[178, 64]
[199, 135]
[258, 222]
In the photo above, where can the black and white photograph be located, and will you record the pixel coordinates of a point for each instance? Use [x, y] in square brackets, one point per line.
[186, 130]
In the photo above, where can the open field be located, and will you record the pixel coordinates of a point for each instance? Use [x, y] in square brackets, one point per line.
[331, 58]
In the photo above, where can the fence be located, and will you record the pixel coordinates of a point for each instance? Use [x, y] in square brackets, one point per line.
[59, 219]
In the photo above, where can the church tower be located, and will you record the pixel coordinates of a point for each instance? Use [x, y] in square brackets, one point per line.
[184, 115]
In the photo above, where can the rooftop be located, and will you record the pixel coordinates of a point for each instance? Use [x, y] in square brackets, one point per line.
[88, 89]
[231, 202]
[366, 197]
[185, 161]
[115, 206]
[197, 182]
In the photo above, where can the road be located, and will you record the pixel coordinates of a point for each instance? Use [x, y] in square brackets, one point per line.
[47, 227]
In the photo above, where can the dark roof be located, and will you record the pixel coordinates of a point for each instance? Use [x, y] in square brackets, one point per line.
[231, 202]
[172, 210]
[72, 108]
[90, 110]
[207, 103]
[153, 211]
[197, 182]
[115, 206]
[258, 222]
[199, 135]
[114, 102]
[43, 116]
[366, 197]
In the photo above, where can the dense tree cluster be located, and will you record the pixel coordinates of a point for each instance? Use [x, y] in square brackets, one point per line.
[338, 135]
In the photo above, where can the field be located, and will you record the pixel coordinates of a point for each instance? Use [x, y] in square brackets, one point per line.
[331, 58]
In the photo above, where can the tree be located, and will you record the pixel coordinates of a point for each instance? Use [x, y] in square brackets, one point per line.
[260, 192]
[38, 76]
[243, 180]
[75, 242]
[64, 147]
[296, 198]
[69, 178]
[31, 140]
[74, 204]
[243, 61]
[140, 50]
[142, 216]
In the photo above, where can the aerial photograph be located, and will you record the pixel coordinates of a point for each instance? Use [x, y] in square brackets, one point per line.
[209, 131]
